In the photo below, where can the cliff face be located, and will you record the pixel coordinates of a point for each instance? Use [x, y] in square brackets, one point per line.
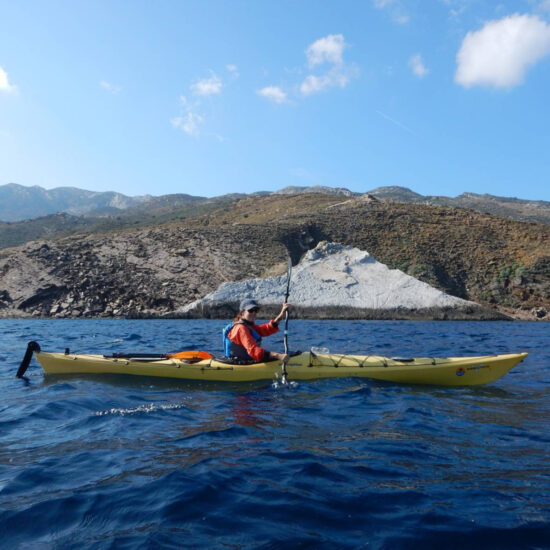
[499, 263]
[338, 281]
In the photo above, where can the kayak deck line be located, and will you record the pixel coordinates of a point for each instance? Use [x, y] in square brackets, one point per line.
[446, 371]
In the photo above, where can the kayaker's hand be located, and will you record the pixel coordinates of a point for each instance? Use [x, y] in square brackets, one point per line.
[280, 356]
[284, 308]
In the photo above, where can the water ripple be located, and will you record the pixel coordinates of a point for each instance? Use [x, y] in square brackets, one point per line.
[120, 462]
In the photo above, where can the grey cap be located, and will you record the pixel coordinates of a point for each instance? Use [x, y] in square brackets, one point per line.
[248, 304]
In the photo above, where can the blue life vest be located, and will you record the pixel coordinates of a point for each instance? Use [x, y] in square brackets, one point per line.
[234, 350]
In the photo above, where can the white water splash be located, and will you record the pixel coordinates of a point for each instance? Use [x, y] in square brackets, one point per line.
[148, 408]
[283, 383]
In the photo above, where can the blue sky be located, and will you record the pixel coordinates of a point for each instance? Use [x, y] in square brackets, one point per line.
[212, 97]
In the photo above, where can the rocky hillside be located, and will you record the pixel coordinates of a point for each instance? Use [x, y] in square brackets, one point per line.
[130, 274]
[500, 263]
[516, 209]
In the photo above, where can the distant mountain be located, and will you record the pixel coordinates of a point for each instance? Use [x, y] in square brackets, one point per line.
[155, 211]
[162, 203]
[397, 194]
[517, 209]
[18, 202]
[297, 190]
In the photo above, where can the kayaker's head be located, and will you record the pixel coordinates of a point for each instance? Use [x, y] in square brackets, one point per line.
[248, 310]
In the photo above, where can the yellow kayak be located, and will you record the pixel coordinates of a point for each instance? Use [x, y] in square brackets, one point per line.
[449, 371]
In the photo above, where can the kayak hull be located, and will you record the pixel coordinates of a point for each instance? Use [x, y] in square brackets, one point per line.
[450, 371]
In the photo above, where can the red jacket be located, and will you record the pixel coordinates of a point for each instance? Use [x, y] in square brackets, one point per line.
[241, 335]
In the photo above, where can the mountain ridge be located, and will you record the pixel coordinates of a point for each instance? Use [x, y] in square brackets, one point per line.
[18, 202]
[180, 206]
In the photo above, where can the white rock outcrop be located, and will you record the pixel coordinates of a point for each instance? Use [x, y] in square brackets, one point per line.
[336, 276]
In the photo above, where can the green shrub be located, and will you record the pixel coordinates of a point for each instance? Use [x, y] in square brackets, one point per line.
[510, 271]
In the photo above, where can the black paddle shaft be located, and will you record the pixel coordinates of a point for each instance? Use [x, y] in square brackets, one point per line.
[285, 335]
[287, 294]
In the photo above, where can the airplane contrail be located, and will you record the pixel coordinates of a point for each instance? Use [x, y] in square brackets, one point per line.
[395, 122]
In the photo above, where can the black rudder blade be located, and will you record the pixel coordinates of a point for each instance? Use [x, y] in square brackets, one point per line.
[31, 348]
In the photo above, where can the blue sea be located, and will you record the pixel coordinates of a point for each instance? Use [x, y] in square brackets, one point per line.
[114, 462]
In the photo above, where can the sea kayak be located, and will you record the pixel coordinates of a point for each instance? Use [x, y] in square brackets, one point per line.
[449, 371]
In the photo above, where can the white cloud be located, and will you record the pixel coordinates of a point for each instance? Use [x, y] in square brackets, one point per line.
[207, 86]
[5, 85]
[313, 84]
[459, 8]
[326, 50]
[395, 9]
[417, 66]
[273, 93]
[189, 123]
[500, 53]
[112, 88]
[233, 70]
[545, 5]
[325, 58]
[190, 120]
[330, 50]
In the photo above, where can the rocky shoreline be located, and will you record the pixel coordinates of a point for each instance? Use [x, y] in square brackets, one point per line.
[227, 310]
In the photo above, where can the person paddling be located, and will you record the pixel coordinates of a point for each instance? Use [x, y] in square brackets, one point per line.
[242, 337]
